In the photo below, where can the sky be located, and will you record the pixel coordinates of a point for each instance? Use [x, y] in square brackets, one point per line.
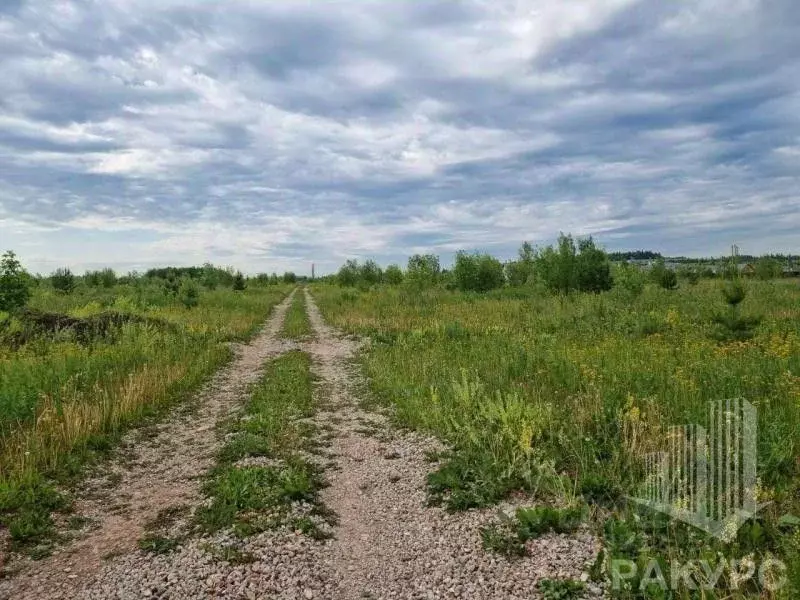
[271, 134]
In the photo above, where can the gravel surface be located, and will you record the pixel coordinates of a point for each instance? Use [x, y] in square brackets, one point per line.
[387, 544]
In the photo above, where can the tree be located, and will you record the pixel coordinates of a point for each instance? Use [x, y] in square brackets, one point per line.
[63, 281]
[768, 268]
[593, 270]
[239, 283]
[370, 272]
[732, 325]
[666, 278]
[630, 278]
[423, 270]
[393, 275]
[348, 273]
[519, 272]
[190, 295]
[584, 267]
[289, 277]
[14, 283]
[477, 272]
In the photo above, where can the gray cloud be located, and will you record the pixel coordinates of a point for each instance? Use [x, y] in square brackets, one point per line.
[275, 134]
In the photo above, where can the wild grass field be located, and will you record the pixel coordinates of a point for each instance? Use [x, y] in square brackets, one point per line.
[559, 396]
[79, 366]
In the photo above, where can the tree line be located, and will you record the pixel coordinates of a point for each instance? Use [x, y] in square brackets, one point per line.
[572, 264]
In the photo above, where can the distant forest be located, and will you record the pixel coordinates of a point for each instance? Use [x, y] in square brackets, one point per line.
[650, 255]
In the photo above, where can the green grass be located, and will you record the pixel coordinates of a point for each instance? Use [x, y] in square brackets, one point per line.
[64, 402]
[560, 397]
[297, 325]
[254, 498]
[561, 589]
[509, 536]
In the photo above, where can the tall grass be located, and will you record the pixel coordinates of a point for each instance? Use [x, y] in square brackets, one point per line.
[62, 401]
[297, 325]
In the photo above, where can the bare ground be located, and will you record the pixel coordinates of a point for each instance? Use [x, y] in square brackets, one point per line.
[388, 543]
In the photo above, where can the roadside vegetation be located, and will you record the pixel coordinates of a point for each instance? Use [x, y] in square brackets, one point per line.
[297, 326]
[82, 358]
[264, 478]
[556, 380]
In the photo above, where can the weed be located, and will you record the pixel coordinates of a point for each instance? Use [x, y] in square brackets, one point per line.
[229, 554]
[158, 544]
[561, 589]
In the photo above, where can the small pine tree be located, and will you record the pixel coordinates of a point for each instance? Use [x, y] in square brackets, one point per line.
[190, 295]
[239, 283]
[732, 325]
[63, 281]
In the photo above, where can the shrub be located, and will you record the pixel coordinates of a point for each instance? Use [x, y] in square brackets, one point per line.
[593, 270]
[630, 278]
[423, 270]
[106, 278]
[63, 281]
[239, 283]
[519, 272]
[289, 277]
[477, 272]
[767, 268]
[666, 278]
[190, 295]
[585, 268]
[393, 275]
[348, 273]
[14, 283]
[370, 273]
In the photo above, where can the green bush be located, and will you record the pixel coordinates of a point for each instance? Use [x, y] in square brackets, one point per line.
[348, 273]
[477, 272]
[14, 283]
[423, 270]
[584, 267]
[190, 295]
[393, 275]
[63, 281]
[519, 272]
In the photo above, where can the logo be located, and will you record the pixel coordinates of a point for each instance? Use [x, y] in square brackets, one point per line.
[707, 477]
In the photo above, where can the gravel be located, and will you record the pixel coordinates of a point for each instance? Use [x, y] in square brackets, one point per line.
[388, 544]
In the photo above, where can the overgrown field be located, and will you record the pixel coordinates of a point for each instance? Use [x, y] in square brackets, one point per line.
[77, 368]
[561, 397]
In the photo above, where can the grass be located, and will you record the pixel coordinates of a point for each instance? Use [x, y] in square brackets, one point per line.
[560, 397]
[561, 589]
[253, 498]
[65, 401]
[297, 325]
[510, 535]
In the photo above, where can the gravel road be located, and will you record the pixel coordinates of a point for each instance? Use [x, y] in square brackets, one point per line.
[388, 544]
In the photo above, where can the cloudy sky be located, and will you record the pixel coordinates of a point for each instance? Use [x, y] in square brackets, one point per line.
[268, 134]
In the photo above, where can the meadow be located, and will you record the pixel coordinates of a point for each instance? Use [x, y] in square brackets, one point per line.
[78, 368]
[559, 397]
